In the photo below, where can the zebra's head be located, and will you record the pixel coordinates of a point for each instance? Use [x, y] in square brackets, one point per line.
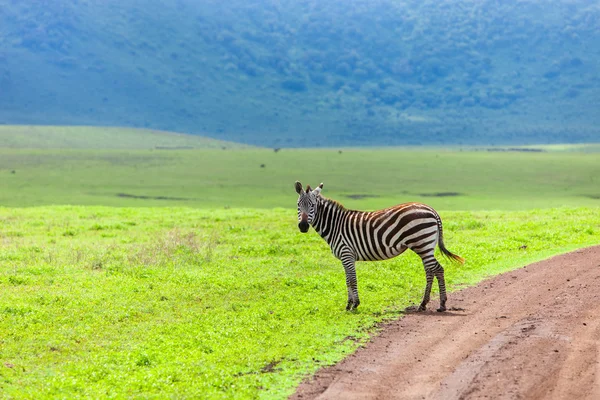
[307, 205]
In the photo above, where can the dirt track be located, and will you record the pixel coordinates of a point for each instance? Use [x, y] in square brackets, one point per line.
[533, 333]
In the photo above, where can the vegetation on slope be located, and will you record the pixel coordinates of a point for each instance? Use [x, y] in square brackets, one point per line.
[308, 73]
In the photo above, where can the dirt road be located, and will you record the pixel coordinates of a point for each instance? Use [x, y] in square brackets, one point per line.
[533, 333]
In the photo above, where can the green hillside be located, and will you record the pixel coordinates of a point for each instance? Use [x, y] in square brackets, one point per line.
[308, 73]
[87, 137]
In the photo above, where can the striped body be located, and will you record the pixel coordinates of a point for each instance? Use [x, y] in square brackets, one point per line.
[378, 235]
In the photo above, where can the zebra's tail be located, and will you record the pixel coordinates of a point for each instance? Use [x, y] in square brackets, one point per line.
[443, 249]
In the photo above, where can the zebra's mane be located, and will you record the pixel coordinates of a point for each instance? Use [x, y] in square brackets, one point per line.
[334, 203]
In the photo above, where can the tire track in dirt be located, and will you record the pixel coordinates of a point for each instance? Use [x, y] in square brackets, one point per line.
[532, 333]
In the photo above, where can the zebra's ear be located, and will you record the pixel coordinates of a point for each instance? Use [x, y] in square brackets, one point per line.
[298, 187]
[318, 189]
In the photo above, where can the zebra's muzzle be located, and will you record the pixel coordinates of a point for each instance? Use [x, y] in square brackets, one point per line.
[303, 226]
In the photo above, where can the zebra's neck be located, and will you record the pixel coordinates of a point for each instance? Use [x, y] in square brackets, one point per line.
[328, 218]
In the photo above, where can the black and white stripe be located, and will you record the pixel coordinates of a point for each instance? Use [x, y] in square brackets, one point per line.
[378, 235]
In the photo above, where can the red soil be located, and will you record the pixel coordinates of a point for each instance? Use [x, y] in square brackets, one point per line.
[532, 333]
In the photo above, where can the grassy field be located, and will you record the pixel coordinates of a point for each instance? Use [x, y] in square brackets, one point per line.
[90, 137]
[137, 267]
[104, 302]
[263, 178]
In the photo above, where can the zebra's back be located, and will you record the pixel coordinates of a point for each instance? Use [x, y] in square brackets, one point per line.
[383, 234]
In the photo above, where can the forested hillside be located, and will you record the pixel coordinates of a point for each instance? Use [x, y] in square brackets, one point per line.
[308, 73]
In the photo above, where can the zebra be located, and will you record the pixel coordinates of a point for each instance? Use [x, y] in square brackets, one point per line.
[377, 235]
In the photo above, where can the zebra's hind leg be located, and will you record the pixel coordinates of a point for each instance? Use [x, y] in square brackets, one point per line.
[439, 274]
[433, 269]
[429, 275]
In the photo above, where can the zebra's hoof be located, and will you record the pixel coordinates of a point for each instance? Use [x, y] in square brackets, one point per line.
[421, 308]
[441, 309]
[352, 305]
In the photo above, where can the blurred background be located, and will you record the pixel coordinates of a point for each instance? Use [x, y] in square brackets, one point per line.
[310, 73]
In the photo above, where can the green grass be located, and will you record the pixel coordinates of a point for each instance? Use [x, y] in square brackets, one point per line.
[234, 178]
[196, 283]
[90, 137]
[99, 302]
[579, 147]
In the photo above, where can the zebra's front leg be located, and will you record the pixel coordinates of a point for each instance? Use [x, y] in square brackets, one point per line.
[351, 284]
[429, 275]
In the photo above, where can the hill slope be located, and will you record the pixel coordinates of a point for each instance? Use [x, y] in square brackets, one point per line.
[292, 73]
[87, 137]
